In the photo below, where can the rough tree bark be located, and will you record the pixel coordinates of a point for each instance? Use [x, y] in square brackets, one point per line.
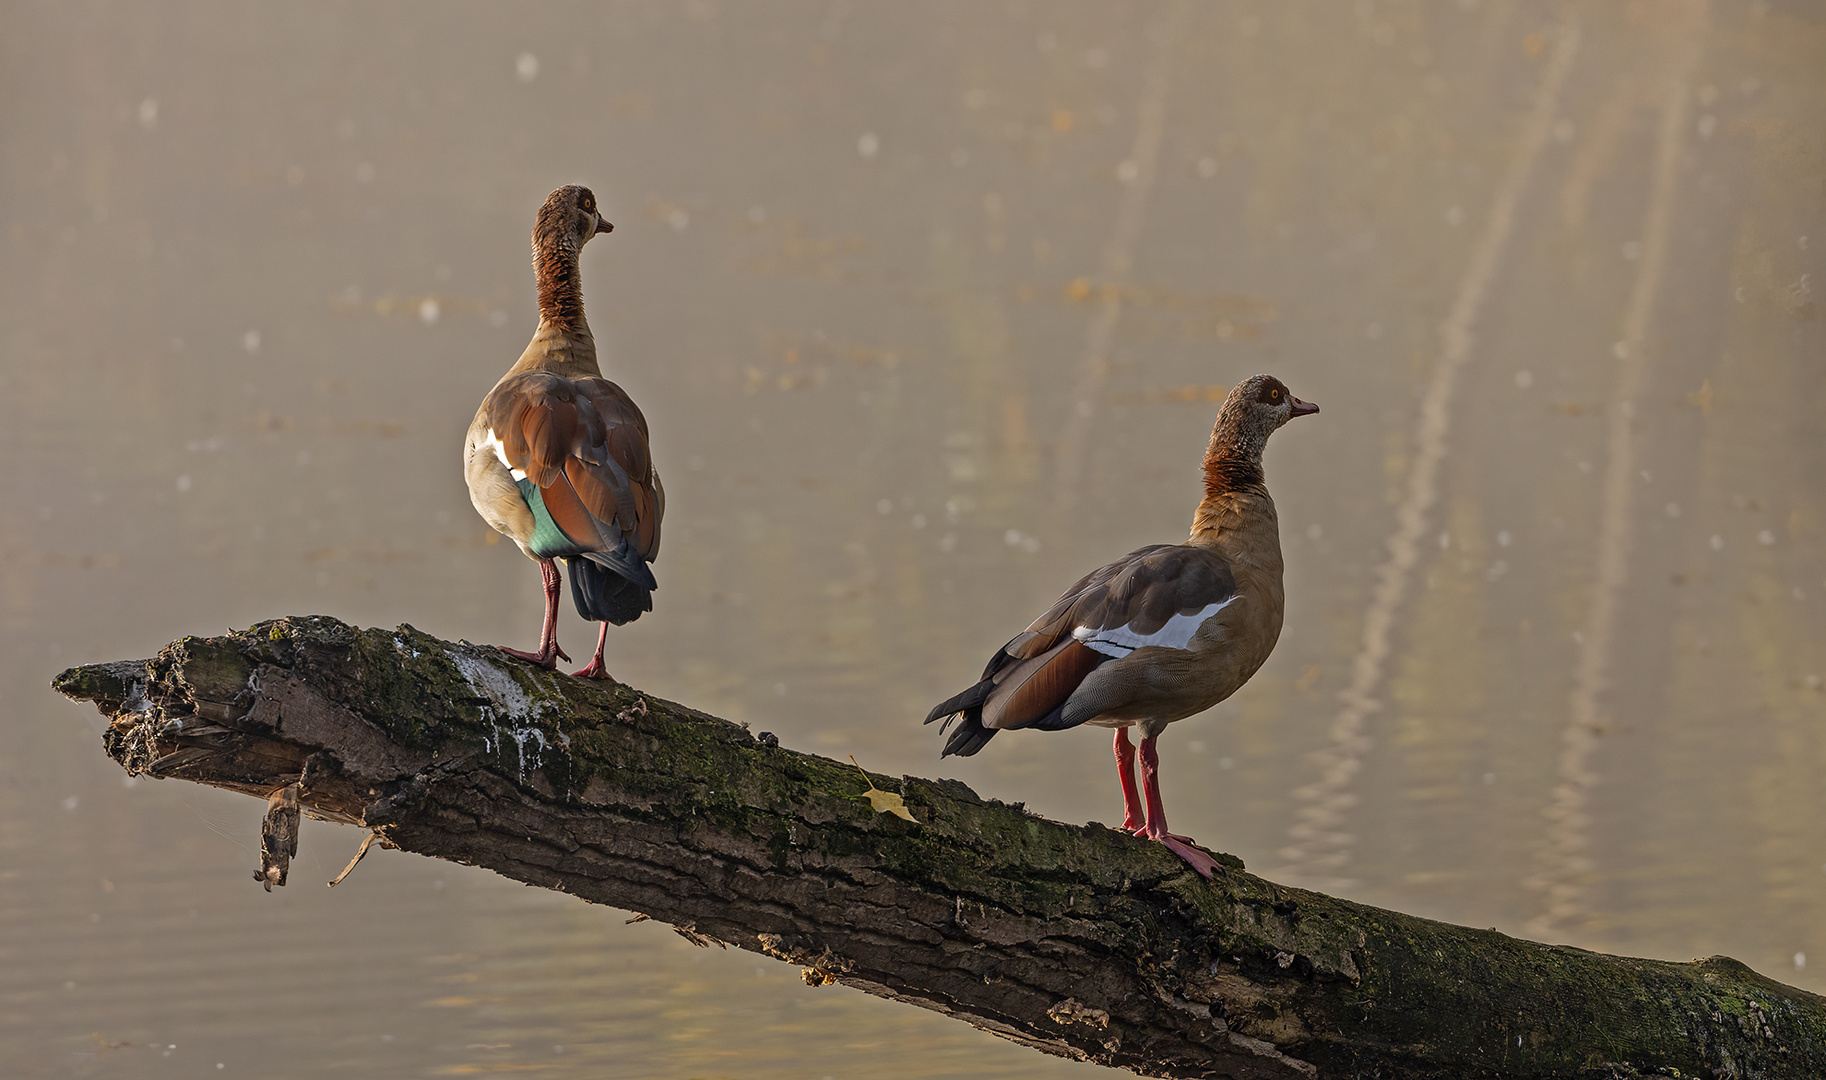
[1077, 940]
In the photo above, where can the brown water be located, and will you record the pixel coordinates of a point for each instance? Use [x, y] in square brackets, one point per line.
[930, 307]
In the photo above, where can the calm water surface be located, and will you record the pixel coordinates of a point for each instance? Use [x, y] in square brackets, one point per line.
[930, 307]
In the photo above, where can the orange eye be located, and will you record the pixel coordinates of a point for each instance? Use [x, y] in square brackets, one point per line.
[1274, 395]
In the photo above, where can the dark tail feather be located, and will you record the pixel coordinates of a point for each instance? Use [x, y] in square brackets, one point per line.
[968, 737]
[604, 593]
[624, 560]
[972, 698]
[967, 709]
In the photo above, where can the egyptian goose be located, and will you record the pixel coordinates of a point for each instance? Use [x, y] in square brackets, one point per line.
[1164, 632]
[557, 458]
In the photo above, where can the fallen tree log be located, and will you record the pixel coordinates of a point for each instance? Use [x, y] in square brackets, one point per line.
[1077, 940]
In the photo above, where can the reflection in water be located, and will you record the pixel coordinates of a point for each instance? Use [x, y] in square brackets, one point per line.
[1566, 859]
[1321, 836]
[1138, 173]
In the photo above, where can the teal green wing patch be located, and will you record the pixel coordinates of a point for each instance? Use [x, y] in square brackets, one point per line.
[548, 540]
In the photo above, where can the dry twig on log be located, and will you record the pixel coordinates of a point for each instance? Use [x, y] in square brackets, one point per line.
[1077, 940]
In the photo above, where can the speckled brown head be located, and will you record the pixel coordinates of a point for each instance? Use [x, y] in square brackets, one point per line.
[565, 223]
[1255, 408]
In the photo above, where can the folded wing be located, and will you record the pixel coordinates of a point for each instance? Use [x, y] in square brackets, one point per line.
[578, 450]
[1155, 596]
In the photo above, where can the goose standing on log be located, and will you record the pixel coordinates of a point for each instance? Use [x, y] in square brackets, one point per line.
[1162, 633]
[557, 457]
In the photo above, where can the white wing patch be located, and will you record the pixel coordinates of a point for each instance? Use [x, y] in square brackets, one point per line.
[500, 450]
[1119, 641]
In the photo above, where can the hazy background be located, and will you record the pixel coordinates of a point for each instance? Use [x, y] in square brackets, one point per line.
[930, 306]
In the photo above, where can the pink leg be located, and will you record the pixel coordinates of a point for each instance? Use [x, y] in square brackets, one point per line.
[594, 669]
[549, 653]
[1132, 813]
[1156, 828]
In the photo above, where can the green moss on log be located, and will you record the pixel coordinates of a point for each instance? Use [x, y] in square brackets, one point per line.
[1078, 939]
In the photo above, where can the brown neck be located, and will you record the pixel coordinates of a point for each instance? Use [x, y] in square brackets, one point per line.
[1226, 475]
[560, 286]
[1233, 480]
[1233, 458]
[563, 343]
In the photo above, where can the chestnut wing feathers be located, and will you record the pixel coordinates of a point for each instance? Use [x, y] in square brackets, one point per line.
[583, 444]
[1156, 595]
